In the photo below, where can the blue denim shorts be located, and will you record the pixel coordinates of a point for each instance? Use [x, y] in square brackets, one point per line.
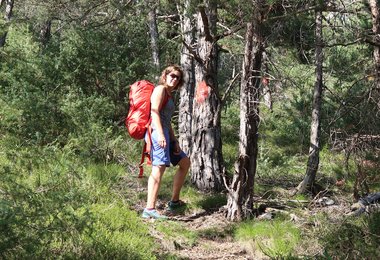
[164, 156]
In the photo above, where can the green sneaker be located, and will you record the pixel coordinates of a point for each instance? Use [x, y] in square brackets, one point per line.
[153, 214]
[173, 205]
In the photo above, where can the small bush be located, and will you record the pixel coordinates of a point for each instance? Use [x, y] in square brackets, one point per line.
[54, 204]
[354, 238]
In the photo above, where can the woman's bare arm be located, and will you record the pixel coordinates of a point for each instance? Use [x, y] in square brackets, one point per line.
[156, 100]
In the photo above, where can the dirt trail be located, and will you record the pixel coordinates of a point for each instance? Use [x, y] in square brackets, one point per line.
[213, 246]
[214, 240]
[217, 244]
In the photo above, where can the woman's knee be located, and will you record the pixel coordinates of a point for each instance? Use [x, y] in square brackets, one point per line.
[158, 170]
[184, 163]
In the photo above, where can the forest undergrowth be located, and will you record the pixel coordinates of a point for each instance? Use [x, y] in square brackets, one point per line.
[84, 200]
[318, 226]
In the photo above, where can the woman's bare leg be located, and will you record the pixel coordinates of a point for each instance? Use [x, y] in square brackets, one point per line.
[154, 183]
[179, 177]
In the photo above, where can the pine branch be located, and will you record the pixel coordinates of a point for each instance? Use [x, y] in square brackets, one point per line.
[193, 53]
[368, 40]
[229, 32]
[228, 90]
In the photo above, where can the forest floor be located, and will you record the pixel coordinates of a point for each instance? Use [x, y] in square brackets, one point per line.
[215, 240]
[218, 244]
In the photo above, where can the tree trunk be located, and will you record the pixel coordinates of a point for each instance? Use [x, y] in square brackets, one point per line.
[376, 49]
[153, 30]
[187, 91]
[8, 10]
[240, 197]
[45, 32]
[206, 156]
[265, 90]
[313, 160]
[7, 18]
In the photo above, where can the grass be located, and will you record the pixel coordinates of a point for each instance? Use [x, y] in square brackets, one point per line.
[275, 239]
[117, 232]
[56, 205]
[72, 208]
[354, 238]
[60, 205]
[281, 165]
[175, 233]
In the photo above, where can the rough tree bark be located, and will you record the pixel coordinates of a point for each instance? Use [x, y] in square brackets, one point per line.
[376, 49]
[265, 89]
[187, 91]
[206, 156]
[7, 18]
[315, 129]
[8, 10]
[153, 31]
[240, 196]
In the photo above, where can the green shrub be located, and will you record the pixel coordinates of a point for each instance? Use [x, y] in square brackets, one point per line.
[55, 204]
[357, 237]
[117, 233]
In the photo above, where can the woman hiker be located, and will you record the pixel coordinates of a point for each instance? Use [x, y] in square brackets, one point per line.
[165, 148]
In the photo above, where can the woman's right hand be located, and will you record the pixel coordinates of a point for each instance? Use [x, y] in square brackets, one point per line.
[161, 140]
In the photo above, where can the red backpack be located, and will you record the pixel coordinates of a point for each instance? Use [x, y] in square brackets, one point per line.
[138, 118]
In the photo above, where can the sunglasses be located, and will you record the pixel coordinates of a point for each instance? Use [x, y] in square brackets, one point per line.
[174, 76]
